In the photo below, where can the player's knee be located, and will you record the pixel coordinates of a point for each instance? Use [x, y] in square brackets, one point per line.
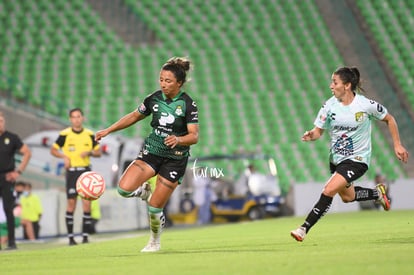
[124, 193]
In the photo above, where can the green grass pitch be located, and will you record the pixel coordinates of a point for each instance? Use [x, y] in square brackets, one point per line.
[366, 242]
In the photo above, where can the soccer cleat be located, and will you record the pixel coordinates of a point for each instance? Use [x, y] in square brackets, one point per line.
[299, 233]
[11, 247]
[144, 192]
[152, 246]
[85, 240]
[72, 242]
[383, 199]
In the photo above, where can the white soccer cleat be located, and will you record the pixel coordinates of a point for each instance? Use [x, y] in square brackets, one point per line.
[298, 234]
[144, 191]
[152, 246]
[383, 199]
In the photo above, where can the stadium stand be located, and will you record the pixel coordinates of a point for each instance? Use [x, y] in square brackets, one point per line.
[262, 71]
[391, 24]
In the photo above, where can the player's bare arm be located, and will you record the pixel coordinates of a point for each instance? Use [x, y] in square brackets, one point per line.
[313, 134]
[400, 151]
[122, 123]
[56, 153]
[93, 153]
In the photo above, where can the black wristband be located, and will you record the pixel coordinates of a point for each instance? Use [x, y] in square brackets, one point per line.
[19, 171]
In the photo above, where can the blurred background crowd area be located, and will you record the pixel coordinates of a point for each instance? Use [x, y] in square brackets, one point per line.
[262, 69]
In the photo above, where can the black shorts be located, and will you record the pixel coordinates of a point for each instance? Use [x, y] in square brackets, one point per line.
[171, 169]
[72, 175]
[350, 170]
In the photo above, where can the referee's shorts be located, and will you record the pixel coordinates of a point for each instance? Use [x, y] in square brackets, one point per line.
[72, 175]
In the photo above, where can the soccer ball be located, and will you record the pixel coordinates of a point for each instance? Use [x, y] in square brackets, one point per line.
[90, 185]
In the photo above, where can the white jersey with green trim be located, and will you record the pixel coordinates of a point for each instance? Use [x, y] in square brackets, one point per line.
[350, 127]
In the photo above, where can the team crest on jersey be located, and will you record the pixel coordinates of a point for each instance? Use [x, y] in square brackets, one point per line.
[6, 141]
[359, 117]
[179, 110]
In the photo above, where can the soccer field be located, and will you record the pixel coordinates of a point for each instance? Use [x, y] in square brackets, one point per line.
[368, 242]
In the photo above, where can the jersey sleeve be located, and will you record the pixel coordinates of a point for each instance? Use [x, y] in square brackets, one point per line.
[18, 142]
[144, 108]
[95, 144]
[60, 141]
[191, 115]
[321, 120]
[376, 110]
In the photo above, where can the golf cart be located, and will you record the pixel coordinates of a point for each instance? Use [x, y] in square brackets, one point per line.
[244, 186]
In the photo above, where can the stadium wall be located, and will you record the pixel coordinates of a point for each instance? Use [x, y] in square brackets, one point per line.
[118, 214]
[306, 195]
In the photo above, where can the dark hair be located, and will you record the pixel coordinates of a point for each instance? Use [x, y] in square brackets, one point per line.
[75, 110]
[20, 183]
[350, 75]
[179, 66]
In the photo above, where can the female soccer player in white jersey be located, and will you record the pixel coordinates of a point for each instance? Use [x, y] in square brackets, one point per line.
[347, 116]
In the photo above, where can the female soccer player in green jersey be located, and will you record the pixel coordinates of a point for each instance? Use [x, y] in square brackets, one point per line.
[347, 116]
[165, 151]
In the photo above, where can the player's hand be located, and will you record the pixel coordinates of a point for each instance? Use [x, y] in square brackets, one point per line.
[85, 154]
[307, 136]
[402, 153]
[100, 134]
[171, 141]
[12, 176]
[66, 162]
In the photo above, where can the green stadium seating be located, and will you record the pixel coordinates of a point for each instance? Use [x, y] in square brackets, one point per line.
[260, 70]
[390, 23]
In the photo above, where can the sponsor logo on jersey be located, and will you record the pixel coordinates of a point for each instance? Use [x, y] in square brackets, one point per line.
[166, 118]
[344, 146]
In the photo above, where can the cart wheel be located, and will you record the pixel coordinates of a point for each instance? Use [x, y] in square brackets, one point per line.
[255, 213]
[186, 206]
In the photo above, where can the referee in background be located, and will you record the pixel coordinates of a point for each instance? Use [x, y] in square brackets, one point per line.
[75, 145]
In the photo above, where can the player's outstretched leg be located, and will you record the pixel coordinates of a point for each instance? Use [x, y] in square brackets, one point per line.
[317, 212]
[157, 222]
